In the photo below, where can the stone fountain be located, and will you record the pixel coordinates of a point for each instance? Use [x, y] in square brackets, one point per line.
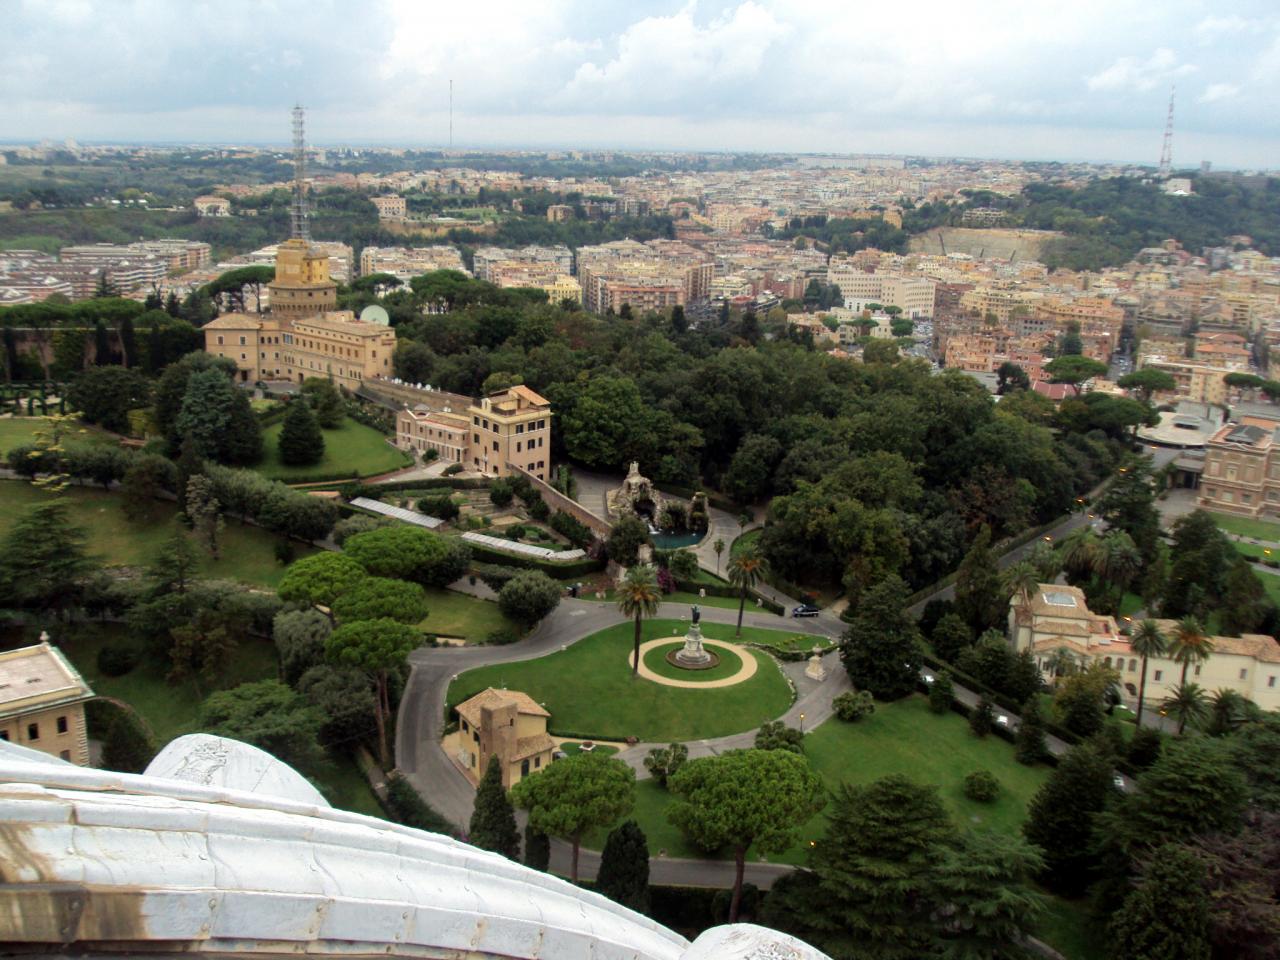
[693, 655]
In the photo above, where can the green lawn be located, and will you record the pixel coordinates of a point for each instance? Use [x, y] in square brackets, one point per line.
[590, 692]
[173, 709]
[352, 447]
[1244, 527]
[248, 553]
[742, 542]
[679, 596]
[656, 660]
[570, 748]
[15, 431]
[453, 614]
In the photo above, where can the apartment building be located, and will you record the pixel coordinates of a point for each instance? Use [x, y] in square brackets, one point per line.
[405, 263]
[490, 435]
[999, 302]
[128, 268]
[557, 286]
[42, 701]
[656, 275]
[507, 724]
[559, 212]
[213, 207]
[1242, 469]
[915, 295]
[1058, 618]
[556, 259]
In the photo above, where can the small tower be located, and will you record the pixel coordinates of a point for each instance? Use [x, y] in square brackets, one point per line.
[1166, 149]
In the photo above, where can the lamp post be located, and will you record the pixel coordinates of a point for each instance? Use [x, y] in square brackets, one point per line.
[802, 724]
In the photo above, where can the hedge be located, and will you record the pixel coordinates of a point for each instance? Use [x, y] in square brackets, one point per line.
[727, 590]
[374, 490]
[405, 806]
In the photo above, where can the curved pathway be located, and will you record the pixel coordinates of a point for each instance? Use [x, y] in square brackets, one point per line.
[743, 674]
[420, 723]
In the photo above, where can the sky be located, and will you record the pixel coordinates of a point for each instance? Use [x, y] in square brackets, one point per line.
[1032, 79]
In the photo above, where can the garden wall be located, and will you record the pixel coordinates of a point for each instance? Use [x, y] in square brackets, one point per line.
[558, 501]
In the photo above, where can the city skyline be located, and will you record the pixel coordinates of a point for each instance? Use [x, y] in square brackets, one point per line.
[760, 76]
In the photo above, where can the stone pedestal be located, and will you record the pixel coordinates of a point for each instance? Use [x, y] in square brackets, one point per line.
[815, 670]
[693, 654]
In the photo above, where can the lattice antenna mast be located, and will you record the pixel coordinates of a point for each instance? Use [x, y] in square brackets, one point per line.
[301, 221]
[1166, 150]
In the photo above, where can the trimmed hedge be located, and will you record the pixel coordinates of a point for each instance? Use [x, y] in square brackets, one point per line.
[561, 571]
[727, 590]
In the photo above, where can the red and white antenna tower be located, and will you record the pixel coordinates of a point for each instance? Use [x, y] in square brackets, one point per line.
[1166, 150]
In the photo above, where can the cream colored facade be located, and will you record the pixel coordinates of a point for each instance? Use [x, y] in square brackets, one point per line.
[42, 701]
[1058, 618]
[860, 289]
[302, 286]
[508, 724]
[510, 428]
[1242, 469]
[390, 208]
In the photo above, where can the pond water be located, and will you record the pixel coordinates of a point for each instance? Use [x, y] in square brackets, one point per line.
[674, 541]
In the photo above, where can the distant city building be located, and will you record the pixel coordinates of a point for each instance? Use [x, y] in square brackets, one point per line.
[557, 259]
[1242, 469]
[213, 206]
[559, 212]
[656, 275]
[42, 701]
[390, 208]
[406, 263]
[860, 289]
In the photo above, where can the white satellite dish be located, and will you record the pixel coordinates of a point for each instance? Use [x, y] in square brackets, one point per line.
[375, 314]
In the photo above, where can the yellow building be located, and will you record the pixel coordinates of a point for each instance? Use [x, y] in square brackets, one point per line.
[42, 702]
[304, 335]
[510, 428]
[508, 724]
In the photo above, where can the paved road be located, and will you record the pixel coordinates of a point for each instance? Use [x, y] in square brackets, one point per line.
[420, 723]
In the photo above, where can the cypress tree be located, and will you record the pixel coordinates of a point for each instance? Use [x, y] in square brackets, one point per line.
[1167, 914]
[101, 344]
[11, 361]
[1060, 819]
[171, 305]
[624, 867]
[941, 693]
[980, 601]
[537, 849]
[493, 821]
[982, 719]
[301, 442]
[1029, 744]
[128, 343]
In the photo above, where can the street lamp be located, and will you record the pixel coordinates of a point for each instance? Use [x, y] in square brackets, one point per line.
[802, 724]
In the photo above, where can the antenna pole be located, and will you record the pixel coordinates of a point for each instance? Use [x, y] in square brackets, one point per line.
[450, 114]
[1166, 149]
[301, 225]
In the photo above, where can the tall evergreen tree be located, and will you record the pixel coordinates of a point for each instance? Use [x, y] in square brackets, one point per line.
[537, 849]
[301, 441]
[493, 821]
[1029, 743]
[128, 342]
[624, 867]
[218, 419]
[42, 559]
[1060, 818]
[881, 648]
[1166, 917]
[980, 598]
[101, 344]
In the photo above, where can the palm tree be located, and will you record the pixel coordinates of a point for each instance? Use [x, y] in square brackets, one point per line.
[638, 597]
[1079, 552]
[1190, 645]
[1147, 641]
[746, 568]
[1227, 711]
[1020, 581]
[718, 547]
[1117, 561]
[1186, 703]
[1061, 663]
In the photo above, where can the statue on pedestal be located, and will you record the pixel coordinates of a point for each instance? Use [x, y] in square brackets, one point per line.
[693, 653]
[815, 670]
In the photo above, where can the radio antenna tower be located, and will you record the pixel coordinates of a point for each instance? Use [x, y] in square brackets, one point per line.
[450, 114]
[301, 223]
[1166, 150]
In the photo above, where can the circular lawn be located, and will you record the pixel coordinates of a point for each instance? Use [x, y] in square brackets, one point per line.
[590, 692]
[655, 658]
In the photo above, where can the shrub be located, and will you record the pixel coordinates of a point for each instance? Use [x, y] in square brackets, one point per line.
[501, 637]
[538, 509]
[495, 575]
[453, 470]
[515, 532]
[666, 582]
[406, 806]
[358, 523]
[572, 529]
[663, 762]
[776, 735]
[285, 552]
[854, 705]
[126, 746]
[115, 660]
[684, 564]
[442, 508]
[982, 719]
[941, 693]
[982, 786]
[529, 597]
[501, 494]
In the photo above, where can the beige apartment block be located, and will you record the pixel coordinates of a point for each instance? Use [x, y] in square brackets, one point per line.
[390, 208]
[1242, 469]
[507, 724]
[42, 701]
[1058, 618]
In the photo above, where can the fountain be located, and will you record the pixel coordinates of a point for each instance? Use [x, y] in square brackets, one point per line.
[693, 655]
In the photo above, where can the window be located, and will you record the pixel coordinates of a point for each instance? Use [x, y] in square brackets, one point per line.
[519, 428]
[1197, 670]
[1271, 681]
[64, 755]
[537, 762]
[1244, 673]
[475, 421]
[475, 737]
[4, 734]
[33, 731]
[62, 724]
[475, 437]
[219, 341]
[524, 768]
[242, 341]
[517, 446]
[495, 445]
[1158, 675]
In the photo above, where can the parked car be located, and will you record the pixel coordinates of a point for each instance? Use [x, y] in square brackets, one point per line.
[806, 610]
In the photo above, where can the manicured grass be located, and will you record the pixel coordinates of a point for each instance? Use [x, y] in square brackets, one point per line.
[899, 738]
[590, 692]
[742, 542]
[1068, 927]
[352, 447]
[15, 431]
[1245, 527]
[570, 748]
[802, 642]
[454, 614]
[726, 603]
[346, 788]
[247, 555]
[656, 660]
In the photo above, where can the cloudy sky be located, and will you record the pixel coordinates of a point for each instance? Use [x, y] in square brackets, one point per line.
[1040, 79]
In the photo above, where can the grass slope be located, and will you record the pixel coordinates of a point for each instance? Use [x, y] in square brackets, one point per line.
[248, 553]
[350, 448]
[1245, 527]
[15, 431]
[590, 692]
[454, 614]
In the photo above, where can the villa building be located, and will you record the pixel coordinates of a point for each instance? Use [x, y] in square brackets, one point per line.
[42, 701]
[506, 429]
[1242, 469]
[1058, 618]
[506, 724]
